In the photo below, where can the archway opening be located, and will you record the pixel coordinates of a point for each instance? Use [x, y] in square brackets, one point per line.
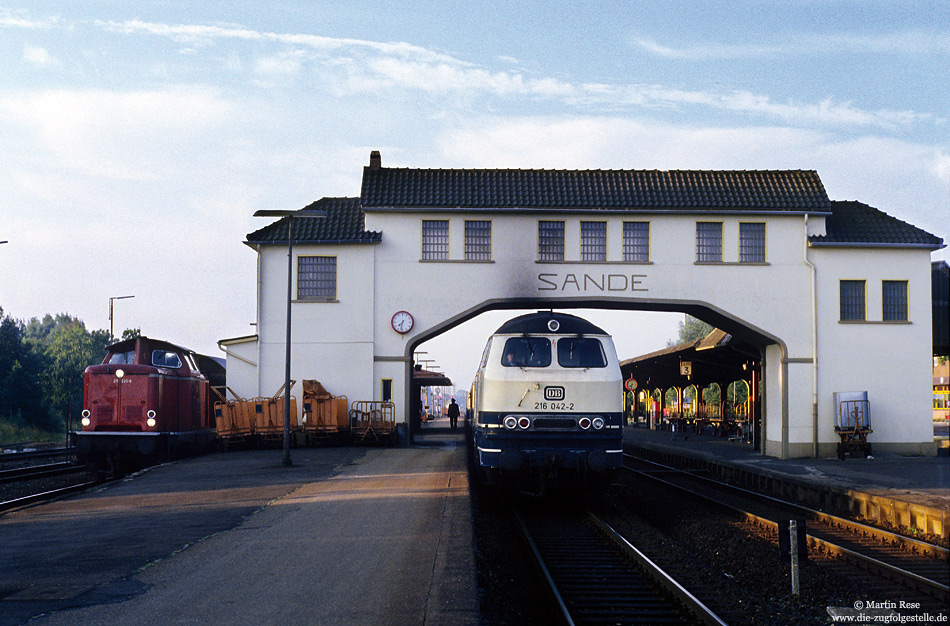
[638, 328]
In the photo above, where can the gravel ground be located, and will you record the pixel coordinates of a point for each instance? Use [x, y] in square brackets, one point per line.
[731, 565]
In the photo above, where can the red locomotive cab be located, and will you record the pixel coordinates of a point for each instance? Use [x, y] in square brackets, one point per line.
[146, 398]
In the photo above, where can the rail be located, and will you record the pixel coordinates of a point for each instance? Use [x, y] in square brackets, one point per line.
[584, 563]
[920, 565]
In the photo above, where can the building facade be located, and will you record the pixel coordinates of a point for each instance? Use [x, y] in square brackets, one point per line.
[834, 295]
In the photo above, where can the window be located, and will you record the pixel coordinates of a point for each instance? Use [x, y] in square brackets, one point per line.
[852, 300]
[316, 277]
[527, 352]
[477, 240]
[122, 358]
[636, 241]
[593, 241]
[752, 242]
[165, 358]
[709, 242]
[550, 241]
[435, 239]
[580, 352]
[387, 390]
[894, 305]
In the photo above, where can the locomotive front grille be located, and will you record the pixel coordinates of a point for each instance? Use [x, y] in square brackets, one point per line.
[104, 414]
[134, 413]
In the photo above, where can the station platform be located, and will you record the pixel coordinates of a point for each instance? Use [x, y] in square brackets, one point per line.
[348, 535]
[912, 492]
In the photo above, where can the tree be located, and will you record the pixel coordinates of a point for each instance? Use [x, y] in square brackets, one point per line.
[21, 392]
[70, 351]
[691, 329]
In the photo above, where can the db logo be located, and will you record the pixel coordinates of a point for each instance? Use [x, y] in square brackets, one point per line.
[554, 393]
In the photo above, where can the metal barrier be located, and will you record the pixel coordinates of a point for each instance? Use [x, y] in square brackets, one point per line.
[372, 420]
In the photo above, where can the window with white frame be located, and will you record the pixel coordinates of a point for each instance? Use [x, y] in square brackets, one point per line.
[593, 241]
[477, 240]
[709, 242]
[316, 277]
[550, 240]
[752, 242]
[435, 239]
[894, 300]
[636, 241]
[852, 301]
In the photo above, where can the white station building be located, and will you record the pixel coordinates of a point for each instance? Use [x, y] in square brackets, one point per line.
[835, 296]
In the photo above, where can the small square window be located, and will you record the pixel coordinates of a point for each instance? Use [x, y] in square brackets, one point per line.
[550, 240]
[709, 242]
[316, 277]
[752, 242]
[435, 239]
[593, 241]
[851, 301]
[636, 241]
[894, 305]
[477, 240]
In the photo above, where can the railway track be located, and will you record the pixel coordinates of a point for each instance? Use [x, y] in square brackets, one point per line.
[918, 566]
[598, 577]
[43, 496]
[40, 471]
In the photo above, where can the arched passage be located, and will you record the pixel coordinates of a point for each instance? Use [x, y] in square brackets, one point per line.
[755, 340]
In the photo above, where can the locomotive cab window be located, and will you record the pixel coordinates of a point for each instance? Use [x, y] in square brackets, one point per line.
[123, 358]
[580, 352]
[527, 352]
[164, 358]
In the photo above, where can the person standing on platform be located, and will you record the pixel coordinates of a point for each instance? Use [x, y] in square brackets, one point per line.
[453, 414]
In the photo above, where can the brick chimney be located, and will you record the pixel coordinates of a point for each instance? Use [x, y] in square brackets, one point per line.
[375, 160]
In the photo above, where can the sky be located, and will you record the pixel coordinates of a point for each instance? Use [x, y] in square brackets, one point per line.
[138, 138]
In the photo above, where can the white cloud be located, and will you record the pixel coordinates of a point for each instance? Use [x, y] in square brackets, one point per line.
[122, 135]
[40, 58]
[802, 44]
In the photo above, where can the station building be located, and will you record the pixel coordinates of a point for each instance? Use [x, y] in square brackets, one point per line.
[830, 296]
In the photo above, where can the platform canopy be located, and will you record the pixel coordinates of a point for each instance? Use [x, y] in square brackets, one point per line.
[716, 358]
[426, 378]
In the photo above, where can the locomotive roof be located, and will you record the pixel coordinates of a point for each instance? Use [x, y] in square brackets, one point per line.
[538, 323]
[128, 344]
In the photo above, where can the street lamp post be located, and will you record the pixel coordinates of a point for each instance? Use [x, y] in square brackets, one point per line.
[111, 300]
[290, 281]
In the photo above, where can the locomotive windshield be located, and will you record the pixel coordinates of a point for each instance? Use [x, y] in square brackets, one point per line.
[123, 358]
[580, 352]
[527, 352]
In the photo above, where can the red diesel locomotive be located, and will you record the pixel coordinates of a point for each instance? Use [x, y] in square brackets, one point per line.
[147, 401]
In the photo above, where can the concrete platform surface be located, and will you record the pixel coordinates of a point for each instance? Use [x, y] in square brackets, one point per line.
[344, 536]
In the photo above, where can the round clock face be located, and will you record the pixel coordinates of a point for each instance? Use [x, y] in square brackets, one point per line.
[402, 322]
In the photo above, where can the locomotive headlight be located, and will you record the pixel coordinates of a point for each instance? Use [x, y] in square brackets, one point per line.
[511, 422]
[151, 418]
[85, 417]
[119, 373]
[584, 423]
[598, 423]
[524, 422]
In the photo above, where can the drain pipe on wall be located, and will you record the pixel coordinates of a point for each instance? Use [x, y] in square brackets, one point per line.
[814, 342]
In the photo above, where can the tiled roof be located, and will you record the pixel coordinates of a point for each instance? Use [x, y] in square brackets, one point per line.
[343, 224]
[855, 223]
[695, 190]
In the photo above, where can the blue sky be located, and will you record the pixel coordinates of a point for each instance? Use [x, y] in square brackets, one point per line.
[137, 138]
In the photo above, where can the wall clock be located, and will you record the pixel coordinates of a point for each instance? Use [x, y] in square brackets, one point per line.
[402, 322]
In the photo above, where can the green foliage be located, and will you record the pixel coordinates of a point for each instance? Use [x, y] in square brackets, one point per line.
[41, 369]
[691, 329]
